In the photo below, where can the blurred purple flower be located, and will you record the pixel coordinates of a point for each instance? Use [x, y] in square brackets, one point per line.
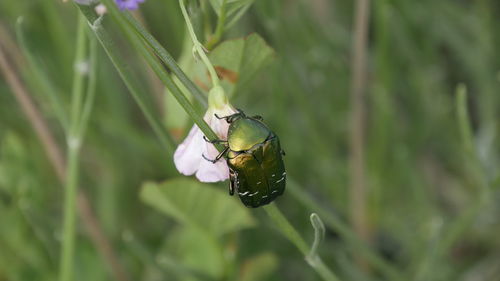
[85, 2]
[128, 4]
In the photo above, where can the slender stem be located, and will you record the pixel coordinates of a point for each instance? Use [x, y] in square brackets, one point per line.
[80, 71]
[205, 7]
[479, 196]
[356, 244]
[69, 226]
[293, 236]
[286, 228]
[478, 176]
[40, 78]
[357, 190]
[219, 29]
[91, 88]
[109, 46]
[165, 57]
[323, 270]
[199, 47]
[69, 223]
[126, 19]
[464, 121]
[173, 89]
[124, 71]
[57, 160]
[237, 16]
[319, 235]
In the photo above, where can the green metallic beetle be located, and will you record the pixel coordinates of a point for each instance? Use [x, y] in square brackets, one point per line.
[254, 156]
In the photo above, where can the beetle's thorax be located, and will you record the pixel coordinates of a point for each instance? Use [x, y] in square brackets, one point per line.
[246, 132]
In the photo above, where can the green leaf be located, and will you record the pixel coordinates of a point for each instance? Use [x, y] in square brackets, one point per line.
[176, 117]
[243, 57]
[196, 251]
[198, 205]
[233, 7]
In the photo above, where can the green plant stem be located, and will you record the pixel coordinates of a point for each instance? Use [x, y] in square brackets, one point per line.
[157, 67]
[173, 88]
[58, 34]
[319, 235]
[237, 16]
[126, 19]
[91, 88]
[477, 173]
[142, 41]
[199, 47]
[69, 226]
[73, 140]
[464, 120]
[219, 29]
[313, 258]
[40, 78]
[479, 197]
[108, 45]
[205, 7]
[124, 71]
[357, 174]
[77, 93]
[344, 231]
[286, 228]
[479, 178]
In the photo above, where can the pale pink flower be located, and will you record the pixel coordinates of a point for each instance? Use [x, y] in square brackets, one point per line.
[188, 156]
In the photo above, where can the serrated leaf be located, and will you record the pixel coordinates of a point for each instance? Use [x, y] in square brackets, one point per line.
[198, 205]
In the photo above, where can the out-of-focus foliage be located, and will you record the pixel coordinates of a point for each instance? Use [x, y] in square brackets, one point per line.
[421, 181]
[188, 201]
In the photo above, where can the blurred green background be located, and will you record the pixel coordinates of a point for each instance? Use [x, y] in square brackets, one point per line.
[432, 196]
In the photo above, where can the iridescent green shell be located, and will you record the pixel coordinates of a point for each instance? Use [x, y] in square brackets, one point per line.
[257, 171]
[246, 132]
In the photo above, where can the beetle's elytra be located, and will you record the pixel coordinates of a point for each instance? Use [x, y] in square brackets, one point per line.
[254, 156]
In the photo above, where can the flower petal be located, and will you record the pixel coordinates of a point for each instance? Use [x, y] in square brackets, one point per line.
[187, 156]
[128, 4]
[212, 172]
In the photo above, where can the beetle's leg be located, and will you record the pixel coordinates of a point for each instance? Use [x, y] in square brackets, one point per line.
[230, 118]
[214, 141]
[283, 152]
[218, 156]
[226, 117]
[232, 183]
[258, 117]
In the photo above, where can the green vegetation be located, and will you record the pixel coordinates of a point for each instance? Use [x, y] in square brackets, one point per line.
[92, 109]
